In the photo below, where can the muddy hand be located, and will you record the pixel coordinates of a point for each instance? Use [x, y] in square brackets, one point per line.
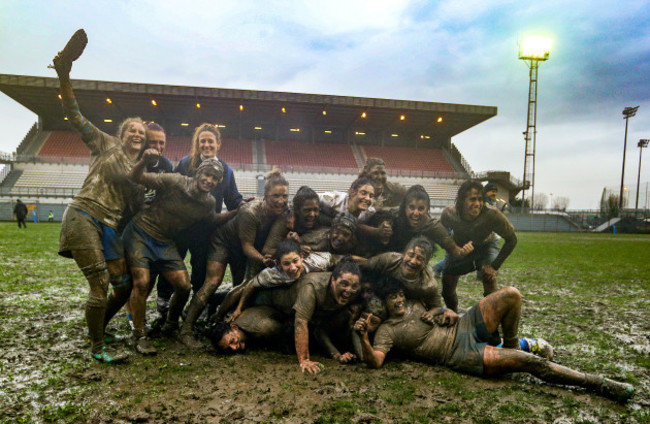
[427, 317]
[151, 156]
[466, 249]
[311, 367]
[361, 326]
[345, 358]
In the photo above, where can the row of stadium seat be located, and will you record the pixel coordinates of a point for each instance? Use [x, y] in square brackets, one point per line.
[287, 154]
[50, 176]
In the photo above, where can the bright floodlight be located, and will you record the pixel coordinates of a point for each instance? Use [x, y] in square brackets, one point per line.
[535, 48]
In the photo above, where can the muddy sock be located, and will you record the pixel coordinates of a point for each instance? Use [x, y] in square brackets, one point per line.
[176, 304]
[95, 311]
[113, 306]
[195, 309]
[449, 283]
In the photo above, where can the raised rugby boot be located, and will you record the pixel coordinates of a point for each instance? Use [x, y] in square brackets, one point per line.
[71, 52]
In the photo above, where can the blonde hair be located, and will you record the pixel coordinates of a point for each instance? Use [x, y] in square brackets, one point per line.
[124, 125]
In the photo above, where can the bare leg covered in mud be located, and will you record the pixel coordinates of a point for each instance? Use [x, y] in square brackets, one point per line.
[214, 276]
[94, 268]
[502, 361]
[449, 283]
[141, 288]
[503, 307]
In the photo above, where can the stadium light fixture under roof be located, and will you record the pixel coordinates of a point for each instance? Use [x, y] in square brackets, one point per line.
[153, 102]
[184, 124]
[402, 117]
[108, 120]
[364, 114]
[439, 120]
[109, 101]
[284, 110]
[241, 107]
[198, 105]
[535, 48]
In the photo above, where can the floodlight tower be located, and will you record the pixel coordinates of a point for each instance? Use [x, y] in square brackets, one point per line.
[532, 50]
[628, 112]
[643, 143]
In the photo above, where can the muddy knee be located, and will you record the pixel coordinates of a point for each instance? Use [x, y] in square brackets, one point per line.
[512, 294]
[97, 276]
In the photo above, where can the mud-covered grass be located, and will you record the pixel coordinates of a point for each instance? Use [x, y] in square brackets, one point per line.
[586, 293]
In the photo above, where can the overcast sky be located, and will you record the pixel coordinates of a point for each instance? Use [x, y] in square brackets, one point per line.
[438, 51]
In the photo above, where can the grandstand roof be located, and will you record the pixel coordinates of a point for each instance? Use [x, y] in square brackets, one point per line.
[176, 109]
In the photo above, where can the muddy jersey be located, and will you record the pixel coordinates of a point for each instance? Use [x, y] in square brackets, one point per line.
[250, 225]
[424, 288]
[481, 230]
[275, 277]
[412, 336]
[339, 200]
[176, 206]
[431, 228]
[391, 196]
[314, 300]
[260, 322]
[106, 191]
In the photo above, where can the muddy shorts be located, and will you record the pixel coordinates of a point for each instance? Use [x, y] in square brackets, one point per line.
[144, 251]
[81, 231]
[483, 254]
[220, 251]
[466, 354]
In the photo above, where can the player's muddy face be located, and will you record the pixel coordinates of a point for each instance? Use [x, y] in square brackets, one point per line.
[413, 262]
[473, 204]
[395, 304]
[276, 199]
[134, 137]
[345, 288]
[367, 291]
[340, 237]
[308, 213]
[208, 144]
[206, 182]
[233, 340]
[361, 199]
[156, 140]
[291, 264]
[378, 175]
[416, 212]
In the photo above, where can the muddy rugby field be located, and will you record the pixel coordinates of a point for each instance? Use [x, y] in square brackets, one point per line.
[588, 294]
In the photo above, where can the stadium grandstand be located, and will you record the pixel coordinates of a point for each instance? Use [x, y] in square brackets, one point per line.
[317, 140]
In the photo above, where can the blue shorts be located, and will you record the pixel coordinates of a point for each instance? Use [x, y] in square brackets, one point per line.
[466, 354]
[82, 231]
[144, 251]
[483, 254]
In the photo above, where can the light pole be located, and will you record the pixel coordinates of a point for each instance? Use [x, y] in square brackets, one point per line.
[532, 50]
[628, 112]
[642, 144]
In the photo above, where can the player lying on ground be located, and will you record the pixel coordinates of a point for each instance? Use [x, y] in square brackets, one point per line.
[464, 343]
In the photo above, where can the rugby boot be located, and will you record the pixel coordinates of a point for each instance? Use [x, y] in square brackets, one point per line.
[142, 343]
[106, 356]
[620, 392]
[71, 52]
[539, 347]
[187, 331]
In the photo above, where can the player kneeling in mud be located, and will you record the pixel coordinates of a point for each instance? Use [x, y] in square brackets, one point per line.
[463, 343]
[180, 201]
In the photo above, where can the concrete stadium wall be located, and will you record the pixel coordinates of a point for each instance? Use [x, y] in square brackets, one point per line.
[542, 223]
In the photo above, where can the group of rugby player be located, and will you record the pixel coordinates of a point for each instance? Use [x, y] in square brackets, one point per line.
[350, 269]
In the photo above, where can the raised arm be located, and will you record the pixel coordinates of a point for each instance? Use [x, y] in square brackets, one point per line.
[137, 172]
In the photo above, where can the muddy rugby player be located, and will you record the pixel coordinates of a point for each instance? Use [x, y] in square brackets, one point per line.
[89, 231]
[180, 201]
[473, 222]
[240, 243]
[466, 343]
